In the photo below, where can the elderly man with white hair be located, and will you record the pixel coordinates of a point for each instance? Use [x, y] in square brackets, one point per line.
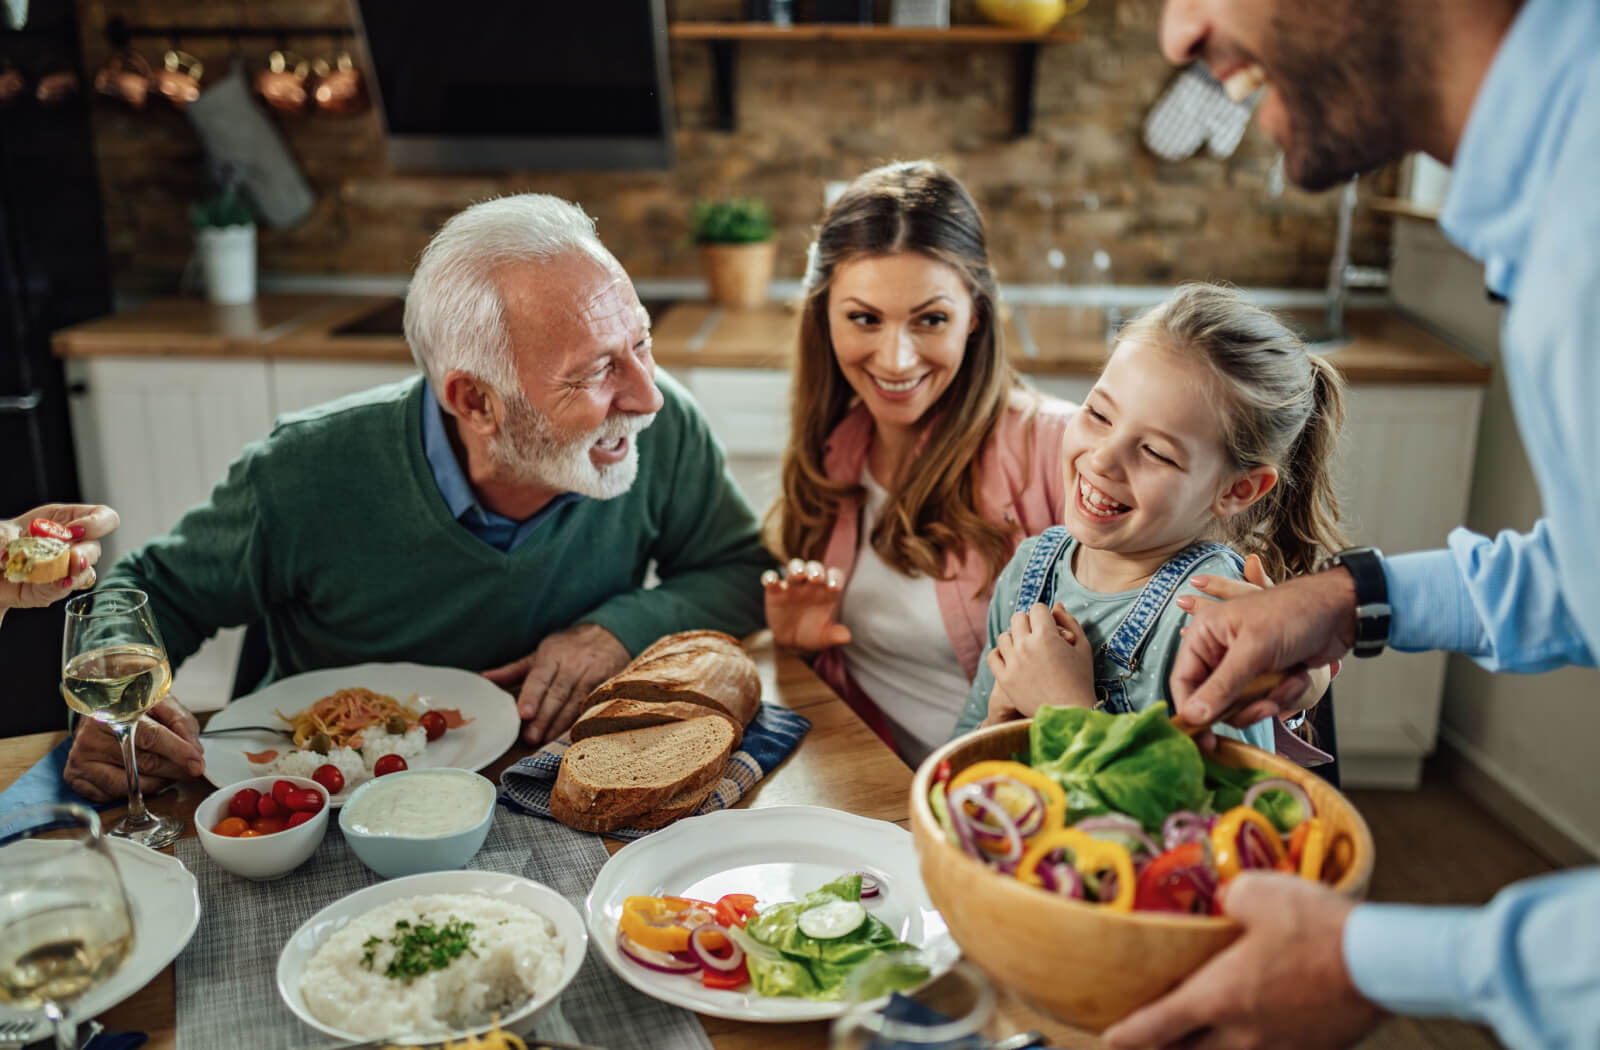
[498, 513]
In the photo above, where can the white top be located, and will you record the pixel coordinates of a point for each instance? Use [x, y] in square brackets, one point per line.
[900, 653]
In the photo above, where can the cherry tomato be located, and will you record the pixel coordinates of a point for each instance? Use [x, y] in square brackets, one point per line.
[249, 833]
[281, 788]
[267, 825]
[269, 806]
[50, 530]
[231, 826]
[388, 764]
[433, 723]
[328, 776]
[244, 804]
[736, 909]
[307, 801]
[942, 774]
[297, 819]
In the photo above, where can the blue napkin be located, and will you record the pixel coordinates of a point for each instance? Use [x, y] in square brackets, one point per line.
[117, 1041]
[768, 740]
[43, 783]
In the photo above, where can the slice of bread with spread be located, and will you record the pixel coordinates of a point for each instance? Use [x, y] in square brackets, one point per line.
[616, 779]
[618, 716]
[707, 668]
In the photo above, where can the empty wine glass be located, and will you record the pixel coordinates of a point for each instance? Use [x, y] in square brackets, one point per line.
[65, 925]
[114, 669]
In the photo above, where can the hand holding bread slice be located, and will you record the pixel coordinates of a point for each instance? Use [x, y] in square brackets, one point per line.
[657, 735]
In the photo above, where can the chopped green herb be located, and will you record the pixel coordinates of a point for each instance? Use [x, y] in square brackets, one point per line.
[420, 948]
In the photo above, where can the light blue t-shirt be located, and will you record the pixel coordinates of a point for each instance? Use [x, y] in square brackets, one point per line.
[1099, 614]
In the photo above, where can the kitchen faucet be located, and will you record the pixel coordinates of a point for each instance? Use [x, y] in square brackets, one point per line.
[1342, 276]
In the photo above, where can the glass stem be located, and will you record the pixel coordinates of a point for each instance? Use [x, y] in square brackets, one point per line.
[123, 731]
[66, 1029]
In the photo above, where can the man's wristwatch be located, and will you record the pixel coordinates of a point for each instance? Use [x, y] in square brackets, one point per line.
[1365, 566]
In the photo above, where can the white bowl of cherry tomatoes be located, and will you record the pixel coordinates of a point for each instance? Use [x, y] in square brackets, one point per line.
[265, 827]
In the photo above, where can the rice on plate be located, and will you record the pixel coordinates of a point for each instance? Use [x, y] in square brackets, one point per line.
[431, 965]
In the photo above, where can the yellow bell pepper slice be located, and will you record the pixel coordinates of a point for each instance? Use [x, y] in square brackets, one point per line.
[661, 923]
[1055, 799]
[1089, 855]
[1308, 848]
[1225, 839]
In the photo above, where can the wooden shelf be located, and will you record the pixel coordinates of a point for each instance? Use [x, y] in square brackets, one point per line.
[723, 37]
[1396, 206]
[961, 34]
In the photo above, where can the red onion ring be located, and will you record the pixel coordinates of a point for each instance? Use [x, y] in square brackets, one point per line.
[870, 886]
[1261, 787]
[707, 956]
[1119, 824]
[1032, 818]
[996, 816]
[650, 959]
[1184, 825]
[1254, 851]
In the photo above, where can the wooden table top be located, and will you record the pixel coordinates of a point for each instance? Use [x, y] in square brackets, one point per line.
[1386, 346]
[841, 764]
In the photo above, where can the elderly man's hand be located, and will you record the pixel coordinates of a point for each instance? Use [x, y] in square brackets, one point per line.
[554, 680]
[87, 522]
[168, 749]
[1282, 983]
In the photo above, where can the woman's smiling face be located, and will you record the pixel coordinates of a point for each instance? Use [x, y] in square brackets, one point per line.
[899, 326]
[1146, 469]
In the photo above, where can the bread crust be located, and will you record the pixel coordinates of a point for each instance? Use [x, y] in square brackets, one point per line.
[601, 801]
[622, 714]
[708, 668]
[44, 570]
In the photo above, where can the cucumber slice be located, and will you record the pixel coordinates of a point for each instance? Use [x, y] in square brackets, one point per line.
[830, 921]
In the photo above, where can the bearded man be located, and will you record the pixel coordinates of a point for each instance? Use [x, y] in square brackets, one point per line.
[498, 513]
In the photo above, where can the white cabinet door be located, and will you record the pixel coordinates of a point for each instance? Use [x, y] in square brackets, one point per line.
[153, 436]
[748, 411]
[296, 384]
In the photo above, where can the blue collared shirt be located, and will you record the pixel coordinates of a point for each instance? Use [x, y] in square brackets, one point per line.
[1525, 199]
[498, 531]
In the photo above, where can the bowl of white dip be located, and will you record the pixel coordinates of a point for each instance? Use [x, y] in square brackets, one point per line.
[418, 820]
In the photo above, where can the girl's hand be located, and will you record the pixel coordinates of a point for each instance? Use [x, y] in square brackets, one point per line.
[803, 606]
[1297, 691]
[1043, 659]
[1001, 709]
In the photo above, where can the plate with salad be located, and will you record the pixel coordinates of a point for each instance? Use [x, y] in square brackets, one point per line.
[767, 914]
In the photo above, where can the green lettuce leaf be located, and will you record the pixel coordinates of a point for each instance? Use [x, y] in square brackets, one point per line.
[1228, 784]
[826, 963]
[1136, 764]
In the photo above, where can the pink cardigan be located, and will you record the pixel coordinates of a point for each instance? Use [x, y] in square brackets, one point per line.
[1025, 492]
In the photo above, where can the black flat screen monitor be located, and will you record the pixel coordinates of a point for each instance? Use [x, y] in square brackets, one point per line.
[494, 85]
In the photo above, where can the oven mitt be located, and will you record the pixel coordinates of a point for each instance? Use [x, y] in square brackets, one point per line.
[1195, 111]
[237, 134]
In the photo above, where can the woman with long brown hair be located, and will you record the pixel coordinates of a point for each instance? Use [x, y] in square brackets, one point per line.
[917, 461]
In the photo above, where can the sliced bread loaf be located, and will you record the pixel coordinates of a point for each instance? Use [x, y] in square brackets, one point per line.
[708, 668]
[607, 781]
[616, 716]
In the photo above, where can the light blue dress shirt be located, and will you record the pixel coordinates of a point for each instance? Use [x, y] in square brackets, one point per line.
[497, 530]
[1525, 199]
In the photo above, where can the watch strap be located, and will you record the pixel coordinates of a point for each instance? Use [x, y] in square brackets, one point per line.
[1365, 566]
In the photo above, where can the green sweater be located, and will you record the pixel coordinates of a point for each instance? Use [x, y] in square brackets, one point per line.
[332, 531]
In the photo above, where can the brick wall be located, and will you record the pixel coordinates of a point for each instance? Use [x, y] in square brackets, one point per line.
[808, 113]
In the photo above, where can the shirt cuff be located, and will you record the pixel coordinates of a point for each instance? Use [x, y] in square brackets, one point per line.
[1404, 957]
[1429, 605]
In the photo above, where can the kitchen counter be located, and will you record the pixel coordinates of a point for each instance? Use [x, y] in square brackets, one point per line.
[1386, 346]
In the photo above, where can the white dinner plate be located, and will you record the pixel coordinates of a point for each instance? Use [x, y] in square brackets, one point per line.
[491, 732]
[165, 901]
[777, 853]
[535, 896]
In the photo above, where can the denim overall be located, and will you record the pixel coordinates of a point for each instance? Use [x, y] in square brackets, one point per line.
[1119, 657]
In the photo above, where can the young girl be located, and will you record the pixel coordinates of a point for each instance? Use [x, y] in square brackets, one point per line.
[1208, 435]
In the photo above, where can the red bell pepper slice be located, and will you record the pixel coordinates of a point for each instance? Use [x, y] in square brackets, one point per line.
[727, 981]
[1164, 886]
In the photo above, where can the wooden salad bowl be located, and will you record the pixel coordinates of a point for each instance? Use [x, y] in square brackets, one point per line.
[1071, 959]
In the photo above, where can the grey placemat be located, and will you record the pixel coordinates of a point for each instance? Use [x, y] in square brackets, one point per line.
[226, 977]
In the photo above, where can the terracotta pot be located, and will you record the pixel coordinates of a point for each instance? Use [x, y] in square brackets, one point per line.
[1074, 960]
[739, 273]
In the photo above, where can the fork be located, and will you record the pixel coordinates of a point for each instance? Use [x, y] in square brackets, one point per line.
[249, 729]
[13, 1031]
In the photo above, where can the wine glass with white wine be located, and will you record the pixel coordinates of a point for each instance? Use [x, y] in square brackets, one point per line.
[114, 669]
[65, 925]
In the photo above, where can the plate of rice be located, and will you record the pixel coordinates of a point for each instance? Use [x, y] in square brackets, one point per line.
[434, 956]
[350, 717]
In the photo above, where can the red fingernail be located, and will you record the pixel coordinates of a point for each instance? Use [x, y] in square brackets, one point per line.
[78, 532]
[83, 562]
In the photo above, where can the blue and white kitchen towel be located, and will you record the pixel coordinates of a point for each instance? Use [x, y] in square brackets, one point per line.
[768, 740]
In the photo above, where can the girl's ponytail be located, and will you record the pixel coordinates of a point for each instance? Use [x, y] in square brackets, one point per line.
[1302, 525]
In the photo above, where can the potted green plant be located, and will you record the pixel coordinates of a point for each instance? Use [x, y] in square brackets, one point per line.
[736, 248]
[225, 237]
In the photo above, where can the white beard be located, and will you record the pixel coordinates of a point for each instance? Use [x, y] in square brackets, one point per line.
[529, 450]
